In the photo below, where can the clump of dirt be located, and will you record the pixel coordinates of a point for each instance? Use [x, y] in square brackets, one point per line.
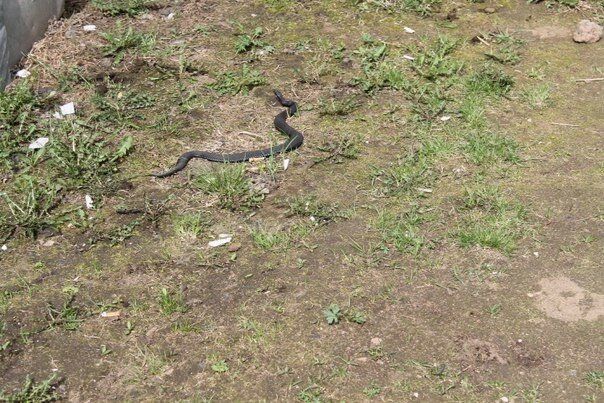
[475, 351]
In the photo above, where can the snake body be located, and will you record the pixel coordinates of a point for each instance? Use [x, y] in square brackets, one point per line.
[295, 140]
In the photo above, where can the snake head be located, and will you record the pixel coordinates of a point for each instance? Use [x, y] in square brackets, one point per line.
[279, 96]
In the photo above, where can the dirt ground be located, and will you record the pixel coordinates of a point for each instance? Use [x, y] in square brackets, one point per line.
[438, 236]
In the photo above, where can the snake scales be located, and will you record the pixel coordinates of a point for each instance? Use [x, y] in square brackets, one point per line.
[295, 140]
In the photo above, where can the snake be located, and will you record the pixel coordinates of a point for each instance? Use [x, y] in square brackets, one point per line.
[295, 140]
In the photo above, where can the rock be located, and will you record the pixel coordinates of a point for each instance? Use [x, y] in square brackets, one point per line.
[489, 10]
[234, 247]
[587, 32]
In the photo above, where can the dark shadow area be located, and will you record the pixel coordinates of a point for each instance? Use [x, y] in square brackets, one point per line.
[74, 6]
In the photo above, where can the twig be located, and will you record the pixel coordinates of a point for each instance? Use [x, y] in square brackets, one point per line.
[254, 135]
[564, 124]
[589, 80]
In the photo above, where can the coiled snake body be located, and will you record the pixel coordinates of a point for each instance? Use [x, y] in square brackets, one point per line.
[295, 140]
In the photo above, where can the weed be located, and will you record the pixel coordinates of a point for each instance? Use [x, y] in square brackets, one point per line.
[508, 49]
[355, 316]
[30, 211]
[16, 104]
[191, 225]
[68, 316]
[433, 62]
[32, 392]
[332, 314]
[338, 107]
[234, 82]
[171, 302]
[344, 146]
[121, 41]
[595, 379]
[82, 156]
[490, 80]
[230, 184]
[404, 175]
[220, 366]
[278, 5]
[421, 7]
[120, 105]
[118, 7]
[494, 310]
[402, 231]
[372, 391]
[252, 42]
[186, 326]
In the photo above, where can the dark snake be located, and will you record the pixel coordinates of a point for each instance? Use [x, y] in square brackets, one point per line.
[295, 140]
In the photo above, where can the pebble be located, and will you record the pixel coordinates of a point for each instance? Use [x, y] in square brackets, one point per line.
[234, 247]
[489, 10]
[376, 341]
[23, 73]
[587, 32]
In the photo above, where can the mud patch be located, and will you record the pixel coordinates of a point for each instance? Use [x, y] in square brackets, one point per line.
[563, 299]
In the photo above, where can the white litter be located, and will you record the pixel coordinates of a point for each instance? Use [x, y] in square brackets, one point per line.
[170, 16]
[445, 118]
[68, 109]
[408, 57]
[285, 164]
[89, 202]
[23, 73]
[57, 115]
[38, 143]
[223, 239]
[409, 30]
[89, 28]
[4, 248]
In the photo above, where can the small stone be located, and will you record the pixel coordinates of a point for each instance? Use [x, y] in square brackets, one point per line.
[89, 28]
[234, 247]
[504, 399]
[23, 73]
[376, 341]
[4, 248]
[489, 10]
[587, 32]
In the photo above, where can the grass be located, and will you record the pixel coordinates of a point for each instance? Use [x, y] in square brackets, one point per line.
[124, 40]
[270, 238]
[171, 302]
[343, 146]
[538, 97]
[404, 176]
[482, 147]
[491, 221]
[191, 225]
[120, 105]
[231, 186]
[490, 80]
[310, 206]
[402, 230]
[130, 8]
[235, 82]
[31, 391]
[30, 208]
